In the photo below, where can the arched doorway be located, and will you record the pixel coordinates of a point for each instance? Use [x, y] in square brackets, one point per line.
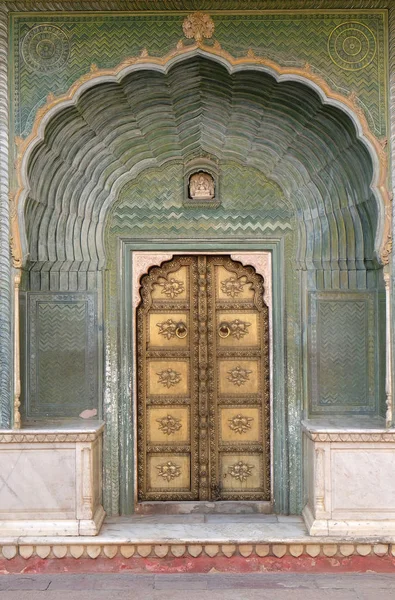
[108, 179]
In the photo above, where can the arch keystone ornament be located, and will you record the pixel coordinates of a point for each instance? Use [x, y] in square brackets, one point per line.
[198, 25]
[200, 28]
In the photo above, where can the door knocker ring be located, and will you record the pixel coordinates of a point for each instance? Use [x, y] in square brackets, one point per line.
[181, 330]
[223, 330]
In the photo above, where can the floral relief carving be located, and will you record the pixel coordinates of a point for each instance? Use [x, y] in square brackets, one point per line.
[232, 286]
[172, 287]
[168, 377]
[169, 470]
[169, 424]
[240, 470]
[237, 328]
[238, 376]
[240, 423]
[168, 328]
[198, 25]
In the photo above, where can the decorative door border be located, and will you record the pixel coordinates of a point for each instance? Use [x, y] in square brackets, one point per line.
[137, 256]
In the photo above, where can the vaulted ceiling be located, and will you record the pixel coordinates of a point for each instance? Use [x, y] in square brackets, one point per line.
[117, 129]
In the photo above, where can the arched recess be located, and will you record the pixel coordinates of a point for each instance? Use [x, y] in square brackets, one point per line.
[315, 154]
[105, 124]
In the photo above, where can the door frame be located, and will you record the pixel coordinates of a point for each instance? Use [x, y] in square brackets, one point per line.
[154, 250]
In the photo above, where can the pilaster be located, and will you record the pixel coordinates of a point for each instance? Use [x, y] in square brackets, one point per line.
[5, 264]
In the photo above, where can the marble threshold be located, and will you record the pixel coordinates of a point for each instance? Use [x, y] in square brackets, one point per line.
[198, 529]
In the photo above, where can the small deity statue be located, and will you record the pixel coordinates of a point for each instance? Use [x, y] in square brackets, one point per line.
[201, 186]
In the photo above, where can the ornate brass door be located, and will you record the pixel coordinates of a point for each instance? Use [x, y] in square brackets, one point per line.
[203, 382]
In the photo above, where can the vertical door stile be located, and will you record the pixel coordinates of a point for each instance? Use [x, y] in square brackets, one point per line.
[204, 490]
[215, 480]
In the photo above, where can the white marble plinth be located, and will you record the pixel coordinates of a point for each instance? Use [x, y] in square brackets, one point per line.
[349, 482]
[51, 480]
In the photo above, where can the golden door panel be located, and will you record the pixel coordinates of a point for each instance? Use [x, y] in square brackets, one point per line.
[168, 330]
[168, 377]
[168, 425]
[240, 424]
[169, 472]
[238, 377]
[237, 330]
[203, 382]
[231, 286]
[241, 472]
[173, 286]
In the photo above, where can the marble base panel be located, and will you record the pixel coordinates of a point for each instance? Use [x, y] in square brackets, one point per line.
[51, 480]
[349, 483]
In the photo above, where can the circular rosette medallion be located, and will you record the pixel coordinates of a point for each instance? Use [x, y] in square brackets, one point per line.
[352, 46]
[45, 48]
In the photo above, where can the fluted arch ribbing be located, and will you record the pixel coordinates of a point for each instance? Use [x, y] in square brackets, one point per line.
[118, 128]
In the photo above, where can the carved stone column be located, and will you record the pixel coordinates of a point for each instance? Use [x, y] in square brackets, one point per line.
[5, 265]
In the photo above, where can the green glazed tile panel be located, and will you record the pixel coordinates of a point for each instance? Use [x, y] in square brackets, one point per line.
[50, 52]
[343, 345]
[62, 355]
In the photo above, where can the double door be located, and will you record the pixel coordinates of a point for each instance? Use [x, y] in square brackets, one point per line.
[203, 382]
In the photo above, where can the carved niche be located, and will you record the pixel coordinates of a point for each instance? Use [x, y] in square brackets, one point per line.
[201, 183]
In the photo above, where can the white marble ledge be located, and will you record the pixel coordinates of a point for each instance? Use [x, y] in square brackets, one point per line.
[121, 533]
[348, 429]
[61, 431]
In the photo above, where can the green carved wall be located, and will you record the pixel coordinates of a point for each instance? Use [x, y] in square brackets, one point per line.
[295, 179]
[348, 48]
[153, 205]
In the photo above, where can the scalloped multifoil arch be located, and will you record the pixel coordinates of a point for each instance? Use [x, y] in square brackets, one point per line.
[55, 105]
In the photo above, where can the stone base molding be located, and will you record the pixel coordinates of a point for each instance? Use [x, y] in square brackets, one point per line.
[349, 483]
[161, 558]
[53, 481]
